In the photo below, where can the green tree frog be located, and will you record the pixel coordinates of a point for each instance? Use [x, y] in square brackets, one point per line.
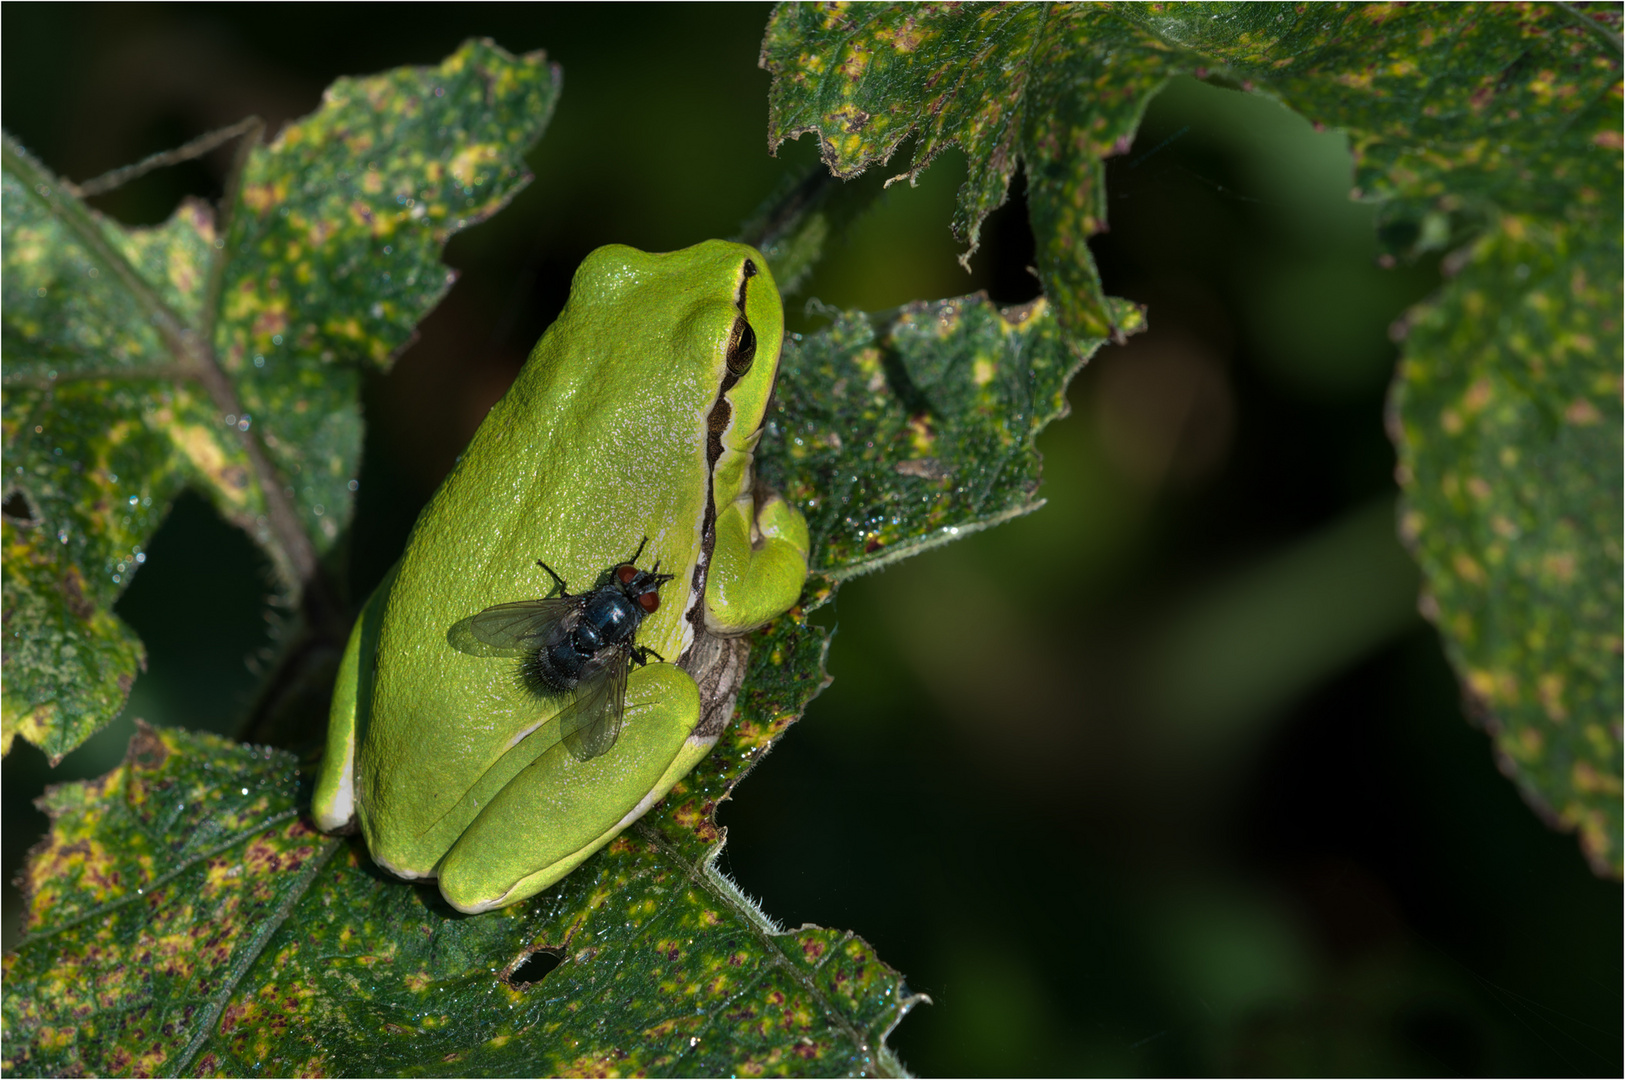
[631, 427]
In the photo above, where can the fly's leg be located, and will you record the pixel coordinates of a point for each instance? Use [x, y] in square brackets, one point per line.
[641, 654]
[564, 590]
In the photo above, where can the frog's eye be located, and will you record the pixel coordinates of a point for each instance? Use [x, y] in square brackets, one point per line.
[626, 572]
[649, 602]
[741, 348]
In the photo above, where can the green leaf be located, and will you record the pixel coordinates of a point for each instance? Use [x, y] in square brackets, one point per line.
[1509, 412]
[1486, 105]
[334, 251]
[141, 361]
[1508, 419]
[892, 441]
[92, 463]
[185, 919]
[1495, 121]
[1057, 87]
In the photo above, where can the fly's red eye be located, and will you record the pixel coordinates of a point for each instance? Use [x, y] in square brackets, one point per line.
[626, 572]
[649, 602]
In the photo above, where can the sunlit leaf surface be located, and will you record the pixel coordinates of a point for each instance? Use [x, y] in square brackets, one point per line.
[142, 361]
[1496, 121]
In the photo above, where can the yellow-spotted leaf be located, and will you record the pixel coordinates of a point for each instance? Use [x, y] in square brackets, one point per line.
[184, 919]
[225, 357]
[1057, 87]
[333, 253]
[1509, 420]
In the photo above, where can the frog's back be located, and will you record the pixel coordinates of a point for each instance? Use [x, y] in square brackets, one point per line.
[599, 443]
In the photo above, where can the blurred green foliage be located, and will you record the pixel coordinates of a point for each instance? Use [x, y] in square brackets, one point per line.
[1311, 866]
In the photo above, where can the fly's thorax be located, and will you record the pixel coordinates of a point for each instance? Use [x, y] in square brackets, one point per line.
[610, 617]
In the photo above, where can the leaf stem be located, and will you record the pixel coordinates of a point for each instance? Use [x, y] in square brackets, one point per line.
[230, 200]
[783, 212]
[199, 146]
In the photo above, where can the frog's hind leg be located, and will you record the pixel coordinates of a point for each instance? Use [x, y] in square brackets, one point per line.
[557, 811]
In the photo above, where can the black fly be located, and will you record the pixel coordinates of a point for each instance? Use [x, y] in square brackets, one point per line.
[579, 643]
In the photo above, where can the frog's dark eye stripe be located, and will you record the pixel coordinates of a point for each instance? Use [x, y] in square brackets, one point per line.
[742, 340]
[741, 348]
[740, 355]
[715, 424]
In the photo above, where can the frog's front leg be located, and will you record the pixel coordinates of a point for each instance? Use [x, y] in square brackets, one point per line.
[749, 583]
[557, 811]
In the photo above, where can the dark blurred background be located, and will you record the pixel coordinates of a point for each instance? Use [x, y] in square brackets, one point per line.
[1167, 777]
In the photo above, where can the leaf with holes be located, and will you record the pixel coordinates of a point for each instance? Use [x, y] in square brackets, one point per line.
[1494, 130]
[142, 361]
[184, 919]
[1057, 87]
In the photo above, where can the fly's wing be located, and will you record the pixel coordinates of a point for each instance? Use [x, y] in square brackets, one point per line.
[592, 723]
[516, 629]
